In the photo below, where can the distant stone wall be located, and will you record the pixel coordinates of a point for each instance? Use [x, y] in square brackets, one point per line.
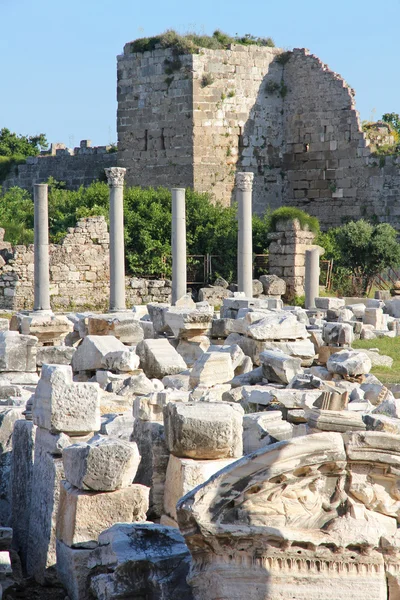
[77, 167]
[79, 273]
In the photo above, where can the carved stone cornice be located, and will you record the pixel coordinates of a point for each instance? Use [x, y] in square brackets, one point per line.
[244, 181]
[115, 176]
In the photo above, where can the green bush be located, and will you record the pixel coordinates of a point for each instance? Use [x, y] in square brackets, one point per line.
[8, 163]
[288, 213]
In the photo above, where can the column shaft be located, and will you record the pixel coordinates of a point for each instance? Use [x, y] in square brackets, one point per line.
[115, 177]
[178, 244]
[41, 248]
[311, 282]
[244, 186]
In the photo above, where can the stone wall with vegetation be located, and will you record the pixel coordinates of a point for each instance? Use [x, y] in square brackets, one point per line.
[80, 166]
[79, 273]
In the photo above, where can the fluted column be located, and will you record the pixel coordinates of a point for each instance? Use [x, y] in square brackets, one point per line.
[41, 248]
[244, 188]
[115, 177]
[178, 244]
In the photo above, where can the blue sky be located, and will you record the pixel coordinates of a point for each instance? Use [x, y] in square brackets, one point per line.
[58, 67]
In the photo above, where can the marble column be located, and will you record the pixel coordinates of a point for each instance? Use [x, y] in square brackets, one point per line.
[115, 177]
[41, 249]
[178, 244]
[244, 187]
[311, 283]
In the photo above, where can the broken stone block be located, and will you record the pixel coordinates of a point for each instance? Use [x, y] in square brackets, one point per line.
[150, 440]
[250, 378]
[338, 333]
[118, 426]
[214, 295]
[187, 323]
[103, 464]
[329, 303]
[48, 328]
[335, 420]
[157, 316]
[103, 352]
[23, 444]
[378, 360]
[358, 310]
[212, 368]
[184, 474]
[82, 516]
[72, 570]
[178, 382]
[273, 285]
[54, 355]
[150, 408]
[17, 352]
[159, 358]
[279, 367]
[303, 349]
[204, 430]
[136, 385]
[375, 317]
[376, 422]
[61, 405]
[277, 326]
[150, 559]
[349, 363]
[264, 428]
[124, 326]
[192, 349]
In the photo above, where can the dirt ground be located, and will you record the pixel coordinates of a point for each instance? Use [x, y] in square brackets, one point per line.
[28, 589]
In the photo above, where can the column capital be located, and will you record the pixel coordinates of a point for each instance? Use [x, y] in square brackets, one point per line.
[115, 176]
[244, 181]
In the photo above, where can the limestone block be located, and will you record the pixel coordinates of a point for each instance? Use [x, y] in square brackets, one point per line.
[157, 316]
[251, 378]
[59, 404]
[329, 303]
[102, 464]
[147, 558]
[124, 326]
[17, 352]
[192, 349]
[303, 349]
[264, 428]
[358, 310]
[214, 295]
[212, 368]
[150, 408]
[159, 358]
[72, 570]
[280, 367]
[118, 426]
[178, 382]
[335, 420]
[376, 422]
[184, 474]
[47, 474]
[378, 360]
[273, 285]
[150, 440]
[136, 385]
[236, 354]
[349, 363]
[257, 288]
[23, 441]
[204, 430]
[185, 322]
[338, 333]
[103, 352]
[54, 355]
[374, 317]
[277, 326]
[47, 328]
[82, 516]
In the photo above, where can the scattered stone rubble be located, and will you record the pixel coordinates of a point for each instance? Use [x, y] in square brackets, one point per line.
[258, 431]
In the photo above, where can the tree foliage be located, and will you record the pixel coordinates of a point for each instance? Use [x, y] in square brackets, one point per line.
[12, 144]
[361, 250]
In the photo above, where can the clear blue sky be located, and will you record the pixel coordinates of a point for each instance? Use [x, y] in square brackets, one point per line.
[58, 57]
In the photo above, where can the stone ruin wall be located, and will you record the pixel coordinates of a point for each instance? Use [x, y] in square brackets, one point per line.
[79, 273]
[77, 167]
[292, 122]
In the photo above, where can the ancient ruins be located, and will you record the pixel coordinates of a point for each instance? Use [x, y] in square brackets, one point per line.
[234, 447]
[157, 445]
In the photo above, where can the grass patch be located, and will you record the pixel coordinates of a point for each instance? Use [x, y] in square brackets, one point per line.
[388, 346]
[288, 213]
[191, 43]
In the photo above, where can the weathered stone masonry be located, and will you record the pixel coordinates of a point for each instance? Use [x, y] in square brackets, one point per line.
[284, 116]
[79, 273]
